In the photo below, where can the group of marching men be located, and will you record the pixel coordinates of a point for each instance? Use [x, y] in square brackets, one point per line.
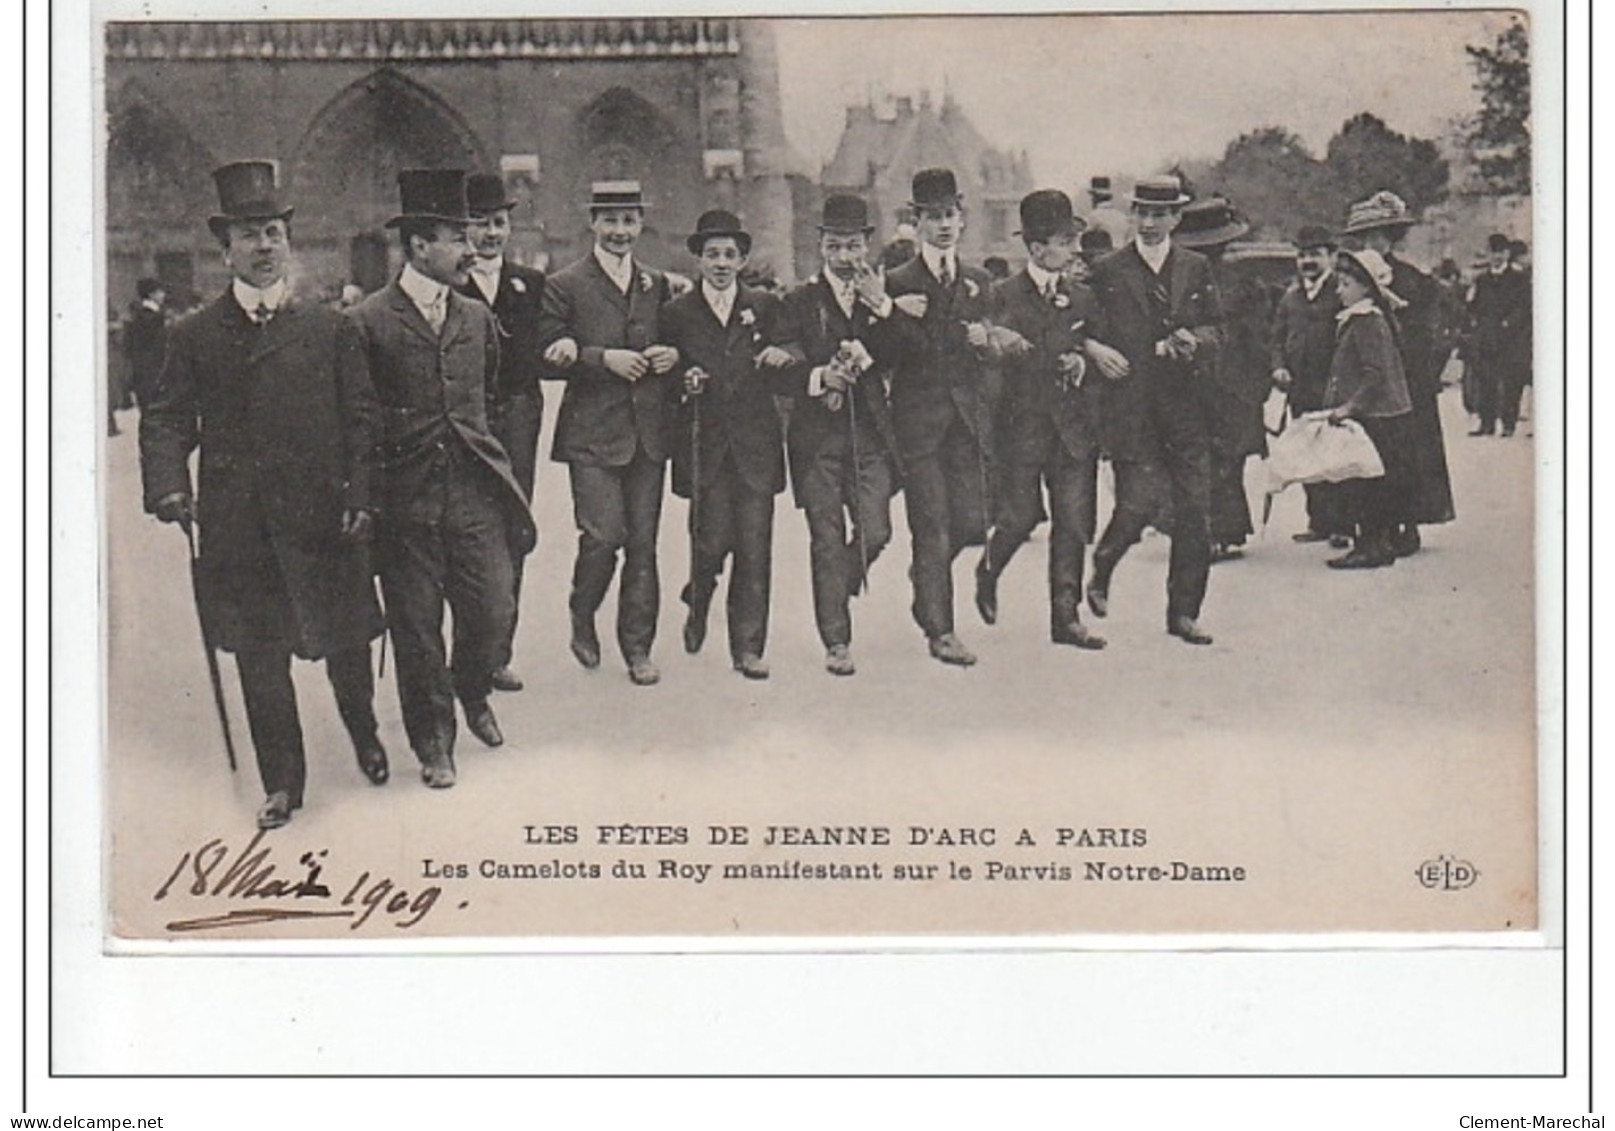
[398, 439]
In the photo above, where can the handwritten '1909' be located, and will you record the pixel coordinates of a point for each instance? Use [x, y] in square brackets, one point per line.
[252, 876]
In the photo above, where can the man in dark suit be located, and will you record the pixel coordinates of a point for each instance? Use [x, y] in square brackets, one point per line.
[1303, 346]
[515, 294]
[837, 327]
[1157, 309]
[276, 392]
[452, 511]
[1499, 345]
[1048, 423]
[602, 322]
[145, 340]
[728, 456]
[942, 407]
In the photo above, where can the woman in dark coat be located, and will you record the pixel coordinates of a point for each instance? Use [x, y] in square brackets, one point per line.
[1367, 384]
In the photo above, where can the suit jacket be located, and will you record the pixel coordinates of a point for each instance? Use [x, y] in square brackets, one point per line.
[604, 420]
[1500, 321]
[434, 390]
[145, 342]
[1121, 283]
[517, 308]
[812, 328]
[937, 372]
[738, 416]
[1304, 342]
[1038, 411]
[286, 419]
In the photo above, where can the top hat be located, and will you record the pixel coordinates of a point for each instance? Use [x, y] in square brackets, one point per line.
[1099, 190]
[1208, 223]
[1047, 213]
[485, 193]
[845, 215]
[1370, 266]
[1314, 235]
[616, 194]
[431, 194]
[1165, 191]
[1382, 210]
[718, 223]
[934, 188]
[246, 192]
[1497, 241]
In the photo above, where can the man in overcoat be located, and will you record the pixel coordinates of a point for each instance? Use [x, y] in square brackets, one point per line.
[1499, 340]
[1158, 307]
[942, 407]
[1048, 423]
[728, 434]
[452, 512]
[275, 391]
[145, 339]
[515, 294]
[602, 322]
[837, 326]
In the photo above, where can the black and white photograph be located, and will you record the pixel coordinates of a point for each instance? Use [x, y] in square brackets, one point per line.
[741, 480]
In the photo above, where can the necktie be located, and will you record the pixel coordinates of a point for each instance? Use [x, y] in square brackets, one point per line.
[1050, 288]
[263, 314]
[435, 313]
[947, 272]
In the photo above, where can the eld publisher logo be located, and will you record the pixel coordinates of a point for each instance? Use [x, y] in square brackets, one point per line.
[1446, 874]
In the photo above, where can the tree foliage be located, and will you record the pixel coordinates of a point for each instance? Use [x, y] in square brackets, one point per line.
[1367, 156]
[1499, 137]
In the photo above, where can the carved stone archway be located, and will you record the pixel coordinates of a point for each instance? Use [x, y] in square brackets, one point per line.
[159, 177]
[621, 135]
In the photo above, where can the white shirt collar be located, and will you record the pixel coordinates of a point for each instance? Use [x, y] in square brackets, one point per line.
[1155, 256]
[620, 268]
[156, 308]
[486, 274]
[1361, 306]
[935, 257]
[722, 303]
[251, 297]
[1312, 287]
[1044, 281]
[425, 293]
[845, 293]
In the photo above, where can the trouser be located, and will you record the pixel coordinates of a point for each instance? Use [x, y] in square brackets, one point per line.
[619, 508]
[947, 499]
[832, 486]
[1186, 464]
[462, 557]
[1072, 485]
[272, 719]
[1498, 395]
[732, 518]
[516, 422]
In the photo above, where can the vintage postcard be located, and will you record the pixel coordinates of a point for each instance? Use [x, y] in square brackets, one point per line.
[1012, 601]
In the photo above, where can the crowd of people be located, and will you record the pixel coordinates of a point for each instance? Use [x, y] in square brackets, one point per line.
[395, 438]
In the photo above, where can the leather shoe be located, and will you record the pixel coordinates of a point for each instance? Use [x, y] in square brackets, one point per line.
[838, 661]
[479, 721]
[752, 667]
[1099, 598]
[372, 758]
[276, 810]
[1224, 552]
[1339, 541]
[1076, 633]
[585, 642]
[437, 770]
[1363, 557]
[951, 650]
[643, 673]
[1482, 430]
[1405, 542]
[503, 679]
[1508, 430]
[987, 594]
[695, 627]
[1186, 630]
[1309, 536]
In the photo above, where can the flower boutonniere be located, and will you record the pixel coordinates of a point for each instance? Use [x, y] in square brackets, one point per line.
[748, 317]
[644, 282]
[972, 288]
[1061, 300]
[518, 286]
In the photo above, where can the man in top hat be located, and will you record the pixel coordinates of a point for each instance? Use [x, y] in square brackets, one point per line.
[275, 391]
[728, 455]
[1048, 432]
[1303, 345]
[602, 321]
[1158, 309]
[1499, 339]
[145, 339]
[837, 327]
[453, 514]
[515, 294]
[1237, 375]
[942, 406]
[1380, 223]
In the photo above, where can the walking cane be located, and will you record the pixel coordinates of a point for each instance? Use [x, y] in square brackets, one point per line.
[858, 494]
[210, 652]
[695, 494]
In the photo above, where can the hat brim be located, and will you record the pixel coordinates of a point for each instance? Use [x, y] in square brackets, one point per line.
[1073, 227]
[619, 206]
[1226, 233]
[698, 240]
[1374, 225]
[1176, 202]
[846, 229]
[218, 223]
[946, 202]
[492, 208]
[426, 217]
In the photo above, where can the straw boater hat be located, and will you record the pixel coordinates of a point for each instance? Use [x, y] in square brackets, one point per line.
[1165, 191]
[845, 215]
[616, 194]
[1209, 223]
[431, 194]
[717, 224]
[247, 191]
[485, 194]
[1370, 266]
[934, 188]
[1382, 210]
[1047, 213]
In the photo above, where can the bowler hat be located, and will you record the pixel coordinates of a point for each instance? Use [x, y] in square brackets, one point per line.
[1165, 191]
[1096, 242]
[1382, 210]
[247, 191]
[147, 287]
[1047, 213]
[616, 194]
[845, 215]
[431, 194]
[934, 188]
[1314, 235]
[715, 224]
[1209, 222]
[485, 193]
[1497, 241]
